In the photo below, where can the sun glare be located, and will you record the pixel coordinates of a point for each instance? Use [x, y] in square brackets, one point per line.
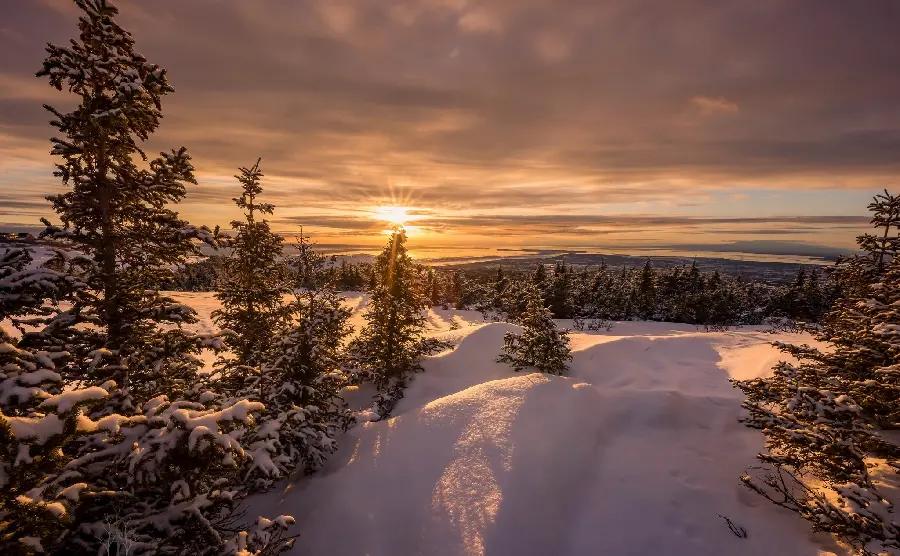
[392, 214]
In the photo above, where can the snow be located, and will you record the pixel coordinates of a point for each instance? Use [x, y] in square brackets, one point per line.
[65, 401]
[636, 451]
[33, 543]
[41, 428]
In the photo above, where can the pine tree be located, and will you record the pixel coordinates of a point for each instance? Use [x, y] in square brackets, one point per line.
[646, 292]
[116, 213]
[132, 430]
[540, 345]
[813, 296]
[499, 287]
[309, 264]
[254, 280]
[459, 293]
[600, 294]
[301, 389]
[559, 295]
[389, 348]
[33, 443]
[434, 289]
[823, 416]
[540, 276]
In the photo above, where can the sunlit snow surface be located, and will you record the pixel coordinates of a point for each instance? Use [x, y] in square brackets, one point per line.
[636, 452]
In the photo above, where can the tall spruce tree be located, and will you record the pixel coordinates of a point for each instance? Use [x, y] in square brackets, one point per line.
[115, 212]
[255, 278]
[131, 432]
[391, 345]
[823, 417]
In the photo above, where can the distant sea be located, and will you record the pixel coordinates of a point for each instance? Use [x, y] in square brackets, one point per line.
[455, 255]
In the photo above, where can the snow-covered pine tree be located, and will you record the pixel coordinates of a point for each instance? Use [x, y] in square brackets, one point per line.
[146, 439]
[40, 426]
[116, 213]
[308, 265]
[541, 344]
[254, 281]
[540, 276]
[34, 442]
[391, 345]
[301, 389]
[600, 293]
[669, 294]
[63, 474]
[823, 417]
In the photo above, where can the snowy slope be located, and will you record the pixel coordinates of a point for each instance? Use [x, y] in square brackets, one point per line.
[637, 451]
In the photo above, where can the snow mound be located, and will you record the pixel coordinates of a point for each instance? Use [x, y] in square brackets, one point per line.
[638, 452]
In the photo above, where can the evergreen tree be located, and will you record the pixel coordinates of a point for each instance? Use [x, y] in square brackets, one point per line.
[459, 293]
[501, 283]
[540, 276]
[254, 280]
[795, 296]
[131, 429]
[559, 293]
[389, 348]
[309, 264]
[67, 466]
[646, 292]
[33, 445]
[372, 279]
[722, 303]
[540, 345]
[823, 417]
[115, 212]
[599, 295]
[813, 297]
[434, 289]
[301, 389]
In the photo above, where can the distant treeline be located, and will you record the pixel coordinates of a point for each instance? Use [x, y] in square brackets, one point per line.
[683, 294]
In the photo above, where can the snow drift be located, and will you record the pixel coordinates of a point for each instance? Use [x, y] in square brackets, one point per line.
[637, 451]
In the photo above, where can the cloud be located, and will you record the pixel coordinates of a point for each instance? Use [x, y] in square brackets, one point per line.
[340, 18]
[712, 106]
[579, 225]
[480, 20]
[551, 47]
[548, 104]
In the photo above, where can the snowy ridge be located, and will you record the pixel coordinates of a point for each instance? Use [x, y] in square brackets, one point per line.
[637, 451]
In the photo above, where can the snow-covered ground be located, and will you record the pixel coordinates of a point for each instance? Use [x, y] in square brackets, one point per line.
[636, 452]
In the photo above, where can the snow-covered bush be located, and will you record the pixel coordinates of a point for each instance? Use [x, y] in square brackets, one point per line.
[39, 420]
[301, 389]
[39, 424]
[541, 344]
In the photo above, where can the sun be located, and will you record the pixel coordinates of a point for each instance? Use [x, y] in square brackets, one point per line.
[392, 214]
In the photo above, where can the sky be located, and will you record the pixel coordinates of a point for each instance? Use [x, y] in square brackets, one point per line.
[501, 123]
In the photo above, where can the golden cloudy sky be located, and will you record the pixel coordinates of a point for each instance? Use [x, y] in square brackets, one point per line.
[503, 123]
